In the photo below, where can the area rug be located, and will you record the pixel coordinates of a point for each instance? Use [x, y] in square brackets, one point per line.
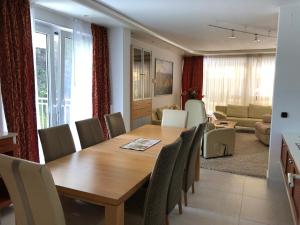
[250, 157]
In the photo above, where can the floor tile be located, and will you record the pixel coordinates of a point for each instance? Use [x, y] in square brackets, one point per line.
[224, 182]
[216, 201]
[192, 216]
[265, 211]
[261, 188]
[248, 222]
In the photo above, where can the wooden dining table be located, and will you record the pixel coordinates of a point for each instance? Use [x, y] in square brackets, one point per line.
[106, 174]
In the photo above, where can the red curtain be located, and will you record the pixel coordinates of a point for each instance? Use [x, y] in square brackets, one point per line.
[17, 75]
[192, 77]
[101, 83]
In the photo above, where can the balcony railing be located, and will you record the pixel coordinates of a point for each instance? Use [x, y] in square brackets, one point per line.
[63, 116]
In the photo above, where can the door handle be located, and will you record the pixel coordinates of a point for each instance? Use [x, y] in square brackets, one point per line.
[291, 177]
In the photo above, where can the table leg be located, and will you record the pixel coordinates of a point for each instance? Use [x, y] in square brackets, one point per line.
[197, 167]
[114, 214]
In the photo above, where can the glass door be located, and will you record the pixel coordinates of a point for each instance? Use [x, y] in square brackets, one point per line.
[53, 75]
[146, 74]
[141, 74]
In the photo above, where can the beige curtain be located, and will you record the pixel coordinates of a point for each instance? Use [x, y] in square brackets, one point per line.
[238, 80]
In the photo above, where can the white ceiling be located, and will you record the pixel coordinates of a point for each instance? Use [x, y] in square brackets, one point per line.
[75, 9]
[185, 22]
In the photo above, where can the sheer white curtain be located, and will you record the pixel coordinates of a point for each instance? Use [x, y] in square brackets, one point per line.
[260, 76]
[3, 126]
[238, 80]
[81, 89]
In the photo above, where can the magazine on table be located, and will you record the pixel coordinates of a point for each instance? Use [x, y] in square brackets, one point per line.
[140, 144]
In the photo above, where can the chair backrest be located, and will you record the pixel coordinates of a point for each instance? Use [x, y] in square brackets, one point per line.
[156, 198]
[12, 183]
[57, 142]
[174, 193]
[189, 176]
[115, 124]
[174, 118]
[89, 132]
[197, 112]
[35, 185]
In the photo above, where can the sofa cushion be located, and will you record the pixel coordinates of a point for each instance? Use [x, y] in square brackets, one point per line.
[237, 111]
[174, 107]
[221, 108]
[159, 111]
[258, 111]
[244, 122]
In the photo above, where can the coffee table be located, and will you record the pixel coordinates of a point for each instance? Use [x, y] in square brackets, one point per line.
[224, 124]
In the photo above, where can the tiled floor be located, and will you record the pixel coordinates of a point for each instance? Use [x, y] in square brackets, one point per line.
[226, 199]
[229, 199]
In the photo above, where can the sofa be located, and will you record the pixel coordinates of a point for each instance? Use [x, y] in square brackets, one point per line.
[262, 130]
[157, 113]
[245, 116]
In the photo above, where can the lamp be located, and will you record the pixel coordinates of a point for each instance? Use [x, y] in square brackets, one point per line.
[232, 35]
[256, 38]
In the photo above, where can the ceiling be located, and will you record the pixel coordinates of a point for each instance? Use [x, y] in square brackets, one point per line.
[185, 22]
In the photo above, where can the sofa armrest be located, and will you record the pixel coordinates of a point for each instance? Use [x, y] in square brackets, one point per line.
[220, 115]
[267, 118]
[156, 122]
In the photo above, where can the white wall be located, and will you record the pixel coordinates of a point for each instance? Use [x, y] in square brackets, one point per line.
[119, 56]
[287, 83]
[172, 55]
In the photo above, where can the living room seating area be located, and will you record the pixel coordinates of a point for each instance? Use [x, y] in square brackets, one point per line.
[245, 116]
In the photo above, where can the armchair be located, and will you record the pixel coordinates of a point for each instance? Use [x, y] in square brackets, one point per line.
[219, 142]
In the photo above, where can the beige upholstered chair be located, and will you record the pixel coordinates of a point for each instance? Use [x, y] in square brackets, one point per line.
[35, 198]
[115, 124]
[57, 142]
[196, 111]
[174, 118]
[90, 132]
[219, 142]
[7, 172]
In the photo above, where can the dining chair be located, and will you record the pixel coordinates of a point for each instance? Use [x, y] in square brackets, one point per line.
[175, 188]
[89, 132]
[115, 124]
[174, 118]
[12, 183]
[189, 174]
[196, 111]
[148, 206]
[35, 198]
[56, 142]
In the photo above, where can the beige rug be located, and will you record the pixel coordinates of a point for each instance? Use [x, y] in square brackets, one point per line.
[250, 158]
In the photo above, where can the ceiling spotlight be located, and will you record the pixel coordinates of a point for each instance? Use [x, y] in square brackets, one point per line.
[232, 35]
[256, 38]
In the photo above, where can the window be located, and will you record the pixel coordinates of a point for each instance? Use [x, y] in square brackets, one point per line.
[54, 63]
[238, 80]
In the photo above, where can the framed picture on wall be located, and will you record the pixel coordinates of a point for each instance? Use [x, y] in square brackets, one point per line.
[163, 80]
